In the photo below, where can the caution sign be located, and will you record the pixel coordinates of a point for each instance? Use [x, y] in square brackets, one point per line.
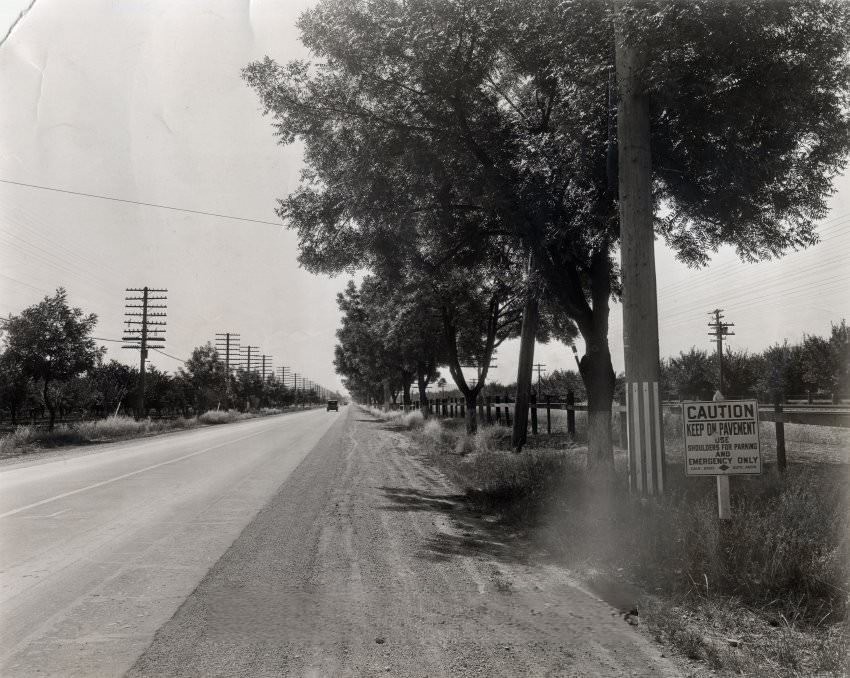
[721, 438]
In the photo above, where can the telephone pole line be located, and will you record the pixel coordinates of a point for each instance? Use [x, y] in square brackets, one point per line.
[228, 344]
[143, 333]
[246, 350]
[264, 356]
[719, 330]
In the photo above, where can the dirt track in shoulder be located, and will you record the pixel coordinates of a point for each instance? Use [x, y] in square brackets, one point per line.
[366, 563]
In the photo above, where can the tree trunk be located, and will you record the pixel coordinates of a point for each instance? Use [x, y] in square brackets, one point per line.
[471, 400]
[422, 383]
[406, 381]
[49, 404]
[599, 380]
[530, 318]
[387, 395]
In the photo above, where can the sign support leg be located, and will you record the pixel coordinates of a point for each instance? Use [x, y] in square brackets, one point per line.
[724, 505]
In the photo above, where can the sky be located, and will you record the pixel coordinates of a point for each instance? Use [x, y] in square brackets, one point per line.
[142, 100]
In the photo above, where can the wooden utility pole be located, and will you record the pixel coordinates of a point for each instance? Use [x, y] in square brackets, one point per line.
[144, 333]
[247, 352]
[228, 344]
[264, 356]
[539, 369]
[637, 264]
[719, 330]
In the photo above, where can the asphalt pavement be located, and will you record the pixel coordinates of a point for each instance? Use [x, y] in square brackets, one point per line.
[100, 546]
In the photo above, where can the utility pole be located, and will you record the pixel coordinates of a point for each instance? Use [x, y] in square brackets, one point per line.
[647, 463]
[264, 356]
[148, 333]
[539, 369]
[284, 373]
[720, 330]
[246, 351]
[227, 343]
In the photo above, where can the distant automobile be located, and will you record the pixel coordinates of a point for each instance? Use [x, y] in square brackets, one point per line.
[333, 405]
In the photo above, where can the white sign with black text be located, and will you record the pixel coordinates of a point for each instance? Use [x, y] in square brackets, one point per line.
[721, 437]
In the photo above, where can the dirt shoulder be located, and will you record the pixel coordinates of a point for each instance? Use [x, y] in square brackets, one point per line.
[367, 562]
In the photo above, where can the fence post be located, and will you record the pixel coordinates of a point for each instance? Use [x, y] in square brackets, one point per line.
[508, 410]
[462, 407]
[488, 400]
[779, 422]
[624, 428]
[548, 414]
[532, 403]
[571, 413]
[498, 410]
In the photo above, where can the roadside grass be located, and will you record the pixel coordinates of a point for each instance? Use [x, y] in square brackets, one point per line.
[214, 417]
[26, 439]
[397, 418]
[764, 594]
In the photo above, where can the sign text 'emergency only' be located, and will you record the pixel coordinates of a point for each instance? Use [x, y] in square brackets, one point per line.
[721, 438]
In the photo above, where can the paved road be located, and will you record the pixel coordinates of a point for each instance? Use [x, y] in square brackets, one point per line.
[366, 563]
[98, 550]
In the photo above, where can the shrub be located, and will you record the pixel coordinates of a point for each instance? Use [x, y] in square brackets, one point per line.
[213, 417]
[113, 427]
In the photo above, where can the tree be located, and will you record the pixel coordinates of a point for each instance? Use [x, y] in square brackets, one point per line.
[51, 343]
[482, 120]
[14, 385]
[782, 372]
[740, 373]
[690, 376]
[205, 375]
[839, 343]
[112, 382]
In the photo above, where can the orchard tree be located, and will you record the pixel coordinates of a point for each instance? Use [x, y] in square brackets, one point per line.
[839, 343]
[690, 376]
[112, 382]
[205, 375]
[14, 385]
[51, 343]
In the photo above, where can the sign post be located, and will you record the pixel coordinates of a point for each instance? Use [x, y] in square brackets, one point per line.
[722, 439]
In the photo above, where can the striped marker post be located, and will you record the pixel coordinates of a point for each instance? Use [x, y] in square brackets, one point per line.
[647, 469]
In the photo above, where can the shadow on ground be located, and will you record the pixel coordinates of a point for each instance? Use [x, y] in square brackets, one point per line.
[471, 533]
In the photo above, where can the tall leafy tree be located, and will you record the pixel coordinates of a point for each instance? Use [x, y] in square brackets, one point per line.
[51, 343]
[493, 120]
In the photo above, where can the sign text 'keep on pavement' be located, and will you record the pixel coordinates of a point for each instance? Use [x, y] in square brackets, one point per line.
[721, 437]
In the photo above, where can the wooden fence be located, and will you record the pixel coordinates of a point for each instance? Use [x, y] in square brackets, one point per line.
[499, 410]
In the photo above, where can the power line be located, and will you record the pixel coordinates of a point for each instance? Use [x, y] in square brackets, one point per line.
[139, 202]
[173, 357]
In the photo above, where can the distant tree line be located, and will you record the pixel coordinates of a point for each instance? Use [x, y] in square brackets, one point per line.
[50, 366]
[816, 368]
